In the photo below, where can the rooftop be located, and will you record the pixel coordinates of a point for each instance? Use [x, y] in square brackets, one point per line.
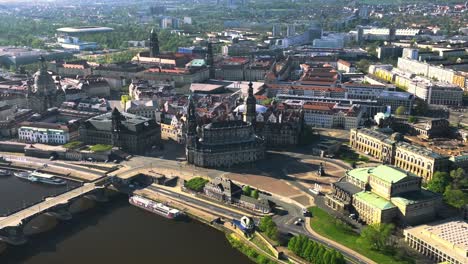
[374, 200]
[414, 197]
[448, 236]
[390, 174]
[362, 174]
[85, 29]
[419, 150]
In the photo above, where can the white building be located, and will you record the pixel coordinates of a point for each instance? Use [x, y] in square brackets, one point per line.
[332, 115]
[44, 133]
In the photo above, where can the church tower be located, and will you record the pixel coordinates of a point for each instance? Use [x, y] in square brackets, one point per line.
[250, 104]
[154, 44]
[116, 125]
[191, 123]
[210, 60]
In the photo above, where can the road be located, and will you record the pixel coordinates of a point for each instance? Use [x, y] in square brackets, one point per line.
[286, 224]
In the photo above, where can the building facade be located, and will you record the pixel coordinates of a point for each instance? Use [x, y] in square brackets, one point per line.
[443, 242]
[131, 133]
[384, 194]
[391, 150]
[222, 144]
[43, 133]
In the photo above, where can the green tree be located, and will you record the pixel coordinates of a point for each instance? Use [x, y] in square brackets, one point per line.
[319, 259]
[315, 252]
[246, 190]
[292, 243]
[327, 257]
[456, 198]
[459, 179]
[421, 107]
[401, 110]
[272, 232]
[438, 183]
[254, 194]
[196, 184]
[412, 119]
[376, 236]
[363, 65]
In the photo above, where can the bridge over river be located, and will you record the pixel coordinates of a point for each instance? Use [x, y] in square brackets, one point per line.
[17, 218]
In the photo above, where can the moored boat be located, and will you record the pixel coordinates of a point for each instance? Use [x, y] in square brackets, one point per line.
[35, 176]
[155, 207]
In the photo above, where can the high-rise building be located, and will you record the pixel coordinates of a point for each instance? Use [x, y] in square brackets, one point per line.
[276, 31]
[291, 30]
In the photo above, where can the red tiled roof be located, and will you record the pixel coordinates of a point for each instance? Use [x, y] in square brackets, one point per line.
[319, 106]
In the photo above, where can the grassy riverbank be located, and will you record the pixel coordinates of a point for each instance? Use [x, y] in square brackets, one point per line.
[327, 226]
[253, 255]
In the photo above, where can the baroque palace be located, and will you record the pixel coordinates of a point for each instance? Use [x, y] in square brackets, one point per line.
[392, 150]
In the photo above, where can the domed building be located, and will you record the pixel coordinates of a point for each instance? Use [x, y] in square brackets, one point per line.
[44, 93]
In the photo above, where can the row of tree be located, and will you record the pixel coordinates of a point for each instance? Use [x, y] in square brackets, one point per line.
[269, 227]
[314, 252]
[453, 186]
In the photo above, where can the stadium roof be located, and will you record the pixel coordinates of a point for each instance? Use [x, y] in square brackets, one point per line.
[85, 29]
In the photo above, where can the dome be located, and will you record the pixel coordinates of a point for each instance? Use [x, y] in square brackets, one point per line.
[43, 82]
[258, 108]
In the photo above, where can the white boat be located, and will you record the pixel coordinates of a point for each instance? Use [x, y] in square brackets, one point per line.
[154, 207]
[40, 177]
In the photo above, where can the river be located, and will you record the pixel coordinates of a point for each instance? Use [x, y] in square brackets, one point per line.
[116, 232]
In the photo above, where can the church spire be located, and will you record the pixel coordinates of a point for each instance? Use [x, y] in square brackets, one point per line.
[250, 111]
[210, 60]
[191, 117]
[116, 118]
[154, 43]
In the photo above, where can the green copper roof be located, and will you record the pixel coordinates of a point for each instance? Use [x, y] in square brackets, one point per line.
[384, 172]
[390, 173]
[414, 197]
[361, 174]
[374, 200]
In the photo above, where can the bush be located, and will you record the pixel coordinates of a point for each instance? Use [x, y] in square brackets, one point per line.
[254, 194]
[246, 190]
[196, 184]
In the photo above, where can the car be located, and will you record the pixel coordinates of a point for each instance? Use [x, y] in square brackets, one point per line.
[297, 222]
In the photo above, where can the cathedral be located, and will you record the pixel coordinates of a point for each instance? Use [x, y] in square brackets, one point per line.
[226, 143]
[44, 93]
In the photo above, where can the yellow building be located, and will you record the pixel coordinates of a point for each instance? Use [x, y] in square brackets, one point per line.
[442, 242]
[389, 193]
[418, 160]
[390, 150]
[460, 80]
